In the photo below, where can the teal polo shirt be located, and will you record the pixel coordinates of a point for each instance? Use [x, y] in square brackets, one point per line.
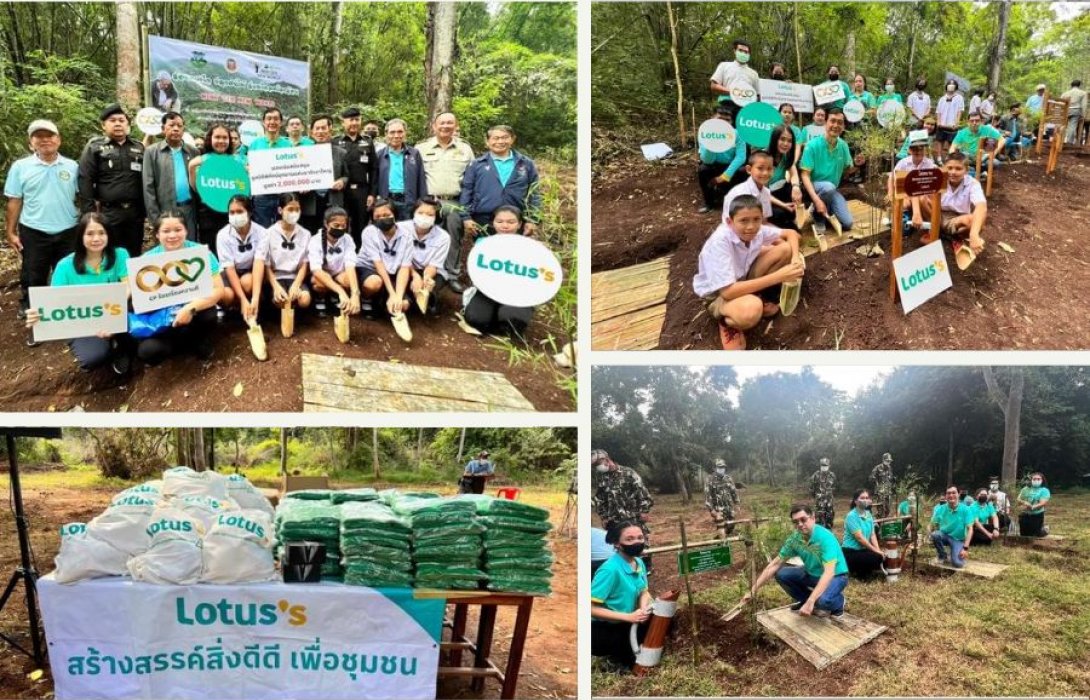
[886, 97]
[504, 167]
[262, 143]
[1035, 495]
[65, 273]
[797, 131]
[953, 522]
[866, 98]
[48, 191]
[984, 512]
[853, 523]
[734, 159]
[816, 553]
[213, 262]
[616, 586]
[825, 164]
[181, 176]
[968, 142]
[397, 170]
[904, 508]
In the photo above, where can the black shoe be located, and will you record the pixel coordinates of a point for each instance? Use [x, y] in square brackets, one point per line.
[121, 365]
[839, 614]
[22, 313]
[221, 314]
[367, 309]
[456, 286]
[321, 307]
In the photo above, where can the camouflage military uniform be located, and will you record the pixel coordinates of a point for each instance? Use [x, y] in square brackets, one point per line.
[821, 488]
[621, 495]
[720, 496]
[882, 476]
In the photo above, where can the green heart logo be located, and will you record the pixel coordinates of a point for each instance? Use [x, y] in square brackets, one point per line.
[183, 268]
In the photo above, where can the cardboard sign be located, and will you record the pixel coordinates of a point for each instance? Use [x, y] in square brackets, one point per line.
[220, 177]
[79, 311]
[924, 181]
[742, 93]
[267, 640]
[854, 111]
[704, 560]
[277, 170]
[515, 270]
[831, 91]
[168, 279]
[776, 92]
[249, 131]
[921, 275]
[716, 135]
[891, 113]
[150, 121]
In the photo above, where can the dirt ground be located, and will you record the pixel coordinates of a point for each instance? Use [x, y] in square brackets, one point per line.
[548, 665]
[642, 211]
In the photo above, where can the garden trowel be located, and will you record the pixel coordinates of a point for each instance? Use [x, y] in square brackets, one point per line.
[422, 299]
[733, 612]
[340, 327]
[257, 340]
[287, 320]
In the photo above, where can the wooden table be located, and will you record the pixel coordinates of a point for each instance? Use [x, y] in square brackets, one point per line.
[481, 648]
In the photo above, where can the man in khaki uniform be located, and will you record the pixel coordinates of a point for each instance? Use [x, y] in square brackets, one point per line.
[1076, 109]
[446, 158]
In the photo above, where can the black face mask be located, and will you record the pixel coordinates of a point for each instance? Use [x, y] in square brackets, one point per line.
[834, 76]
[921, 86]
[385, 223]
[982, 500]
[337, 233]
[633, 550]
[371, 134]
[777, 76]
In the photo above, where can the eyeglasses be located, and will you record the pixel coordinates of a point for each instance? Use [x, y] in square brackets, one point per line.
[800, 521]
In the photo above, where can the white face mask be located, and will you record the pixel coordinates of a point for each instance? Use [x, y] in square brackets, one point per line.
[993, 487]
[1035, 482]
[238, 220]
[291, 217]
[602, 468]
[825, 467]
[423, 222]
[720, 471]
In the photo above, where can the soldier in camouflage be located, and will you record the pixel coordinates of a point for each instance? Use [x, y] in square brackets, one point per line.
[619, 493]
[821, 488]
[882, 476]
[721, 497]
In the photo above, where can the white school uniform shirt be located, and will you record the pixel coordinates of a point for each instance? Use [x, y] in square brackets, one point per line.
[434, 250]
[1002, 503]
[394, 253]
[905, 164]
[749, 187]
[285, 261]
[725, 259]
[729, 71]
[964, 198]
[232, 251]
[919, 103]
[338, 256]
[974, 104]
[948, 111]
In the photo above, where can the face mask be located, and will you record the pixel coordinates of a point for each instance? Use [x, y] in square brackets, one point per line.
[385, 223]
[824, 468]
[720, 472]
[741, 56]
[921, 86]
[1035, 482]
[291, 217]
[423, 222]
[602, 468]
[951, 88]
[371, 134]
[834, 76]
[993, 487]
[633, 550]
[238, 220]
[981, 499]
[777, 76]
[863, 504]
[889, 88]
[337, 233]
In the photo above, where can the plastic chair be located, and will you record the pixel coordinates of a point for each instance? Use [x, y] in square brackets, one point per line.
[509, 492]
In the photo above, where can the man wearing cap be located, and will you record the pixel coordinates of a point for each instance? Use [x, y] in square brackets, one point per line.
[111, 182]
[362, 164]
[619, 493]
[41, 211]
[882, 476]
[729, 72]
[721, 497]
[1035, 103]
[821, 488]
[967, 140]
[478, 471]
[446, 158]
[1076, 107]
[166, 175]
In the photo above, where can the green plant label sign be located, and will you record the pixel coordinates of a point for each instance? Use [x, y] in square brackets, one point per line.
[755, 123]
[219, 178]
[890, 531]
[704, 560]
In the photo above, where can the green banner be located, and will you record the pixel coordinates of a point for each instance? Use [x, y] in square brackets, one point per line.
[220, 177]
[704, 560]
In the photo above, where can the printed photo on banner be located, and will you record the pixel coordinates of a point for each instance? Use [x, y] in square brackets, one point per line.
[337, 207]
[782, 162]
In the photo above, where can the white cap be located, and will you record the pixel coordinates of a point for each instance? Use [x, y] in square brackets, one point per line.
[41, 125]
[1042, 86]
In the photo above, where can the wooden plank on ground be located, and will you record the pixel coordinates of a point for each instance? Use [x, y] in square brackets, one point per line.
[1033, 540]
[862, 227]
[347, 384]
[984, 569]
[628, 306]
[819, 640]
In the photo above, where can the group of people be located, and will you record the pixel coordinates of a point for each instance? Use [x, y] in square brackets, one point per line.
[389, 231]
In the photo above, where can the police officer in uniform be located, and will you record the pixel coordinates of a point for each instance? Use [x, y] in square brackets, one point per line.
[362, 172]
[721, 497]
[620, 495]
[110, 180]
[821, 488]
[882, 476]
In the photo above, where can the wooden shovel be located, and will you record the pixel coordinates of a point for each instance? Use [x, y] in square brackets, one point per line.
[340, 327]
[257, 340]
[422, 299]
[802, 216]
[835, 223]
[287, 320]
[733, 612]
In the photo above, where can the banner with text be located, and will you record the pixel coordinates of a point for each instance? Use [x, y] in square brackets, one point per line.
[168, 279]
[776, 92]
[277, 170]
[79, 311]
[268, 640]
[207, 84]
[922, 275]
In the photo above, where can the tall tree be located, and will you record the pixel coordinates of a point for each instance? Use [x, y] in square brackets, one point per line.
[1010, 402]
[999, 48]
[333, 94]
[189, 448]
[441, 30]
[283, 451]
[128, 55]
[681, 135]
[374, 452]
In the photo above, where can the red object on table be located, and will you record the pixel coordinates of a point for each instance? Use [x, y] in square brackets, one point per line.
[509, 492]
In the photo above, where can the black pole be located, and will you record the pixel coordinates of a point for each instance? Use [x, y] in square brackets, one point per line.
[26, 572]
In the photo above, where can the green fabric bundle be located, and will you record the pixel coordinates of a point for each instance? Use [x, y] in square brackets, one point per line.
[308, 495]
[516, 552]
[376, 545]
[362, 495]
[487, 505]
[446, 540]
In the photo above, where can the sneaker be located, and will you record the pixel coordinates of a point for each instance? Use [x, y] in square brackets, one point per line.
[367, 309]
[121, 364]
[731, 338]
[703, 210]
[838, 615]
[321, 307]
[221, 314]
[455, 285]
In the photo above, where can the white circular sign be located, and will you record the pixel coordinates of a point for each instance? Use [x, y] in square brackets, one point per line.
[250, 130]
[150, 121]
[188, 139]
[742, 93]
[716, 135]
[515, 270]
[854, 111]
[891, 113]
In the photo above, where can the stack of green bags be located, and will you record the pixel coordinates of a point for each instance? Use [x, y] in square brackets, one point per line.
[517, 558]
[308, 495]
[446, 541]
[362, 495]
[301, 519]
[376, 545]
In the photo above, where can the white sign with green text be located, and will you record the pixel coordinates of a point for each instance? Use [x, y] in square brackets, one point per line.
[79, 311]
[922, 275]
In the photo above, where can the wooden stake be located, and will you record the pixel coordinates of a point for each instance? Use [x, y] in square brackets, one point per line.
[688, 585]
[896, 235]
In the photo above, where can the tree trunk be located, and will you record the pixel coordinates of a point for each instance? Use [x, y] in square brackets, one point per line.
[283, 451]
[672, 17]
[1011, 405]
[910, 81]
[200, 462]
[798, 50]
[679, 476]
[849, 53]
[999, 49]
[768, 456]
[333, 92]
[210, 449]
[374, 451]
[441, 30]
[419, 446]
[189, 448]
[461, 446]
